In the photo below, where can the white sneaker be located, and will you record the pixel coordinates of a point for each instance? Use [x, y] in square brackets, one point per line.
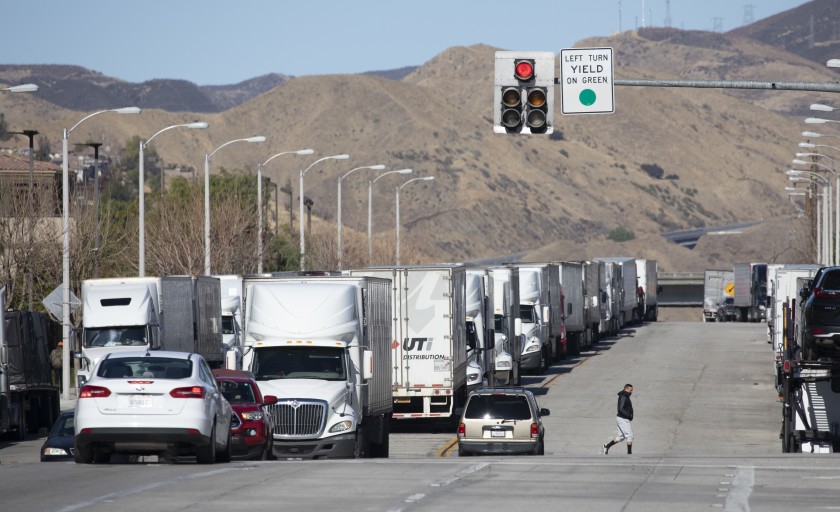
[605, 449]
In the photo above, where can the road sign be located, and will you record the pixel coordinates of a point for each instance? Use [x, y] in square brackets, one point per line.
[730, 289]
[586, 76]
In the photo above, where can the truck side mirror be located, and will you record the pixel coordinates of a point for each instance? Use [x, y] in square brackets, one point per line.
[367, 365]
[517, 327]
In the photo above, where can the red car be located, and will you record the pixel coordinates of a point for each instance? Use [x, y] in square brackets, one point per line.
[251, 428]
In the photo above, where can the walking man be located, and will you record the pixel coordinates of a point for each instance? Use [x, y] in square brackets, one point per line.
[623, 430]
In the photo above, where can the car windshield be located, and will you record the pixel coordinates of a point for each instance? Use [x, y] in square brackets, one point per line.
[146, 367]
[508, 407]
[325, 363]
[528, 314]
[64, 426]
[237, 392]
[116, 337]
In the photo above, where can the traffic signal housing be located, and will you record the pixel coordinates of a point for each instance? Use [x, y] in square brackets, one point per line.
[523, 96]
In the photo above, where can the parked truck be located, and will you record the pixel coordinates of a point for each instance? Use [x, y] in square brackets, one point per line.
[717, 285]
[180, 313]
[232, 319]
[647, 289]
[540, 299]
[29, 399]
[750, 291]
[481, 360]
[573, 307]
[593, 295]
[628, 289]
[430, 341]
[323, 346]
[611, 300]
[509, 341]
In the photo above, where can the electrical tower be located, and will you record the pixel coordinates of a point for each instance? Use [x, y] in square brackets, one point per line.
[667, 13]
[748, 14]
[717, 24]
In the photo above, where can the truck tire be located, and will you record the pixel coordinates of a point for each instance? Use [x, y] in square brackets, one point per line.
[207, 454]
[362, 444]
[22, 423]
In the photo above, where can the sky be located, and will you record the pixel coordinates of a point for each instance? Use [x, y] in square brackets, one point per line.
[217, 42]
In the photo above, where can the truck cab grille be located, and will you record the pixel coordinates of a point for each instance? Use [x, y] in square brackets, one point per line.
[298, 419]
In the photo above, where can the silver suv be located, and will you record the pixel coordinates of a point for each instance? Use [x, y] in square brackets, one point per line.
[501, 420]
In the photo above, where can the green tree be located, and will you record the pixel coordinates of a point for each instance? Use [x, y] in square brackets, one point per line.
[621, 234]
[42, 154]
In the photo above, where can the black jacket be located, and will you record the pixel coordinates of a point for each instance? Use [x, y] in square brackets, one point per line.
[625, 406]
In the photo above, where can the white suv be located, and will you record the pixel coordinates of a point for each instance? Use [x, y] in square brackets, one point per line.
[161, 403]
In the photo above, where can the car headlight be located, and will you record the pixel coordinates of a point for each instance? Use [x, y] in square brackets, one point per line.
[55, 452]
[252, 415]
[342, 426]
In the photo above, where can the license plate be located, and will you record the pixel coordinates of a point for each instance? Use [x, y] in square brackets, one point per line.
[139, 401]
[497, 433]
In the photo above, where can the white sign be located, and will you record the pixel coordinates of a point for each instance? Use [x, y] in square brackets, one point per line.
[586, 77]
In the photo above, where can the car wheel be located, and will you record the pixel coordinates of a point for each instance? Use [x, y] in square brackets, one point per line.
[268, 452]
[542, 447]
[225, 455]
[207, 454]
[83, 455]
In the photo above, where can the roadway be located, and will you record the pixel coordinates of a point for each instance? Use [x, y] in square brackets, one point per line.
[707, 425]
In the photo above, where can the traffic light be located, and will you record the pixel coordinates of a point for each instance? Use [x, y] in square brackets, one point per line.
[523, 97]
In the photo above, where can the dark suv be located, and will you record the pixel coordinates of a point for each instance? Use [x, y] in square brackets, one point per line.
[821, 316]
[726, 311]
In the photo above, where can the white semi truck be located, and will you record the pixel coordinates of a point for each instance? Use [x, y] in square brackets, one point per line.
[647, 289]
[430, 343]
[180, 313]
[540, 300]
[574, 306]
[507, 325]
[481, 360]
[717, 285]
[628, 290]
[232, 319]
[322, 345]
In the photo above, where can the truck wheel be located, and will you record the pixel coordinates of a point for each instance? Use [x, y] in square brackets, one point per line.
[22, 423]
[361, 448]
[207, 454]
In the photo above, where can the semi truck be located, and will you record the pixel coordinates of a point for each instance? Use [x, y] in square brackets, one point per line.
[540, 301]
[611, 300]
[232, 321]
[507, 325]
[180, 313]
[29, 400]
[593, 295]
[750, 291]
[574, 306]
[647, 289]
[717, 285]
[430, 342]
[628, 289]
[323, 346]
[481, 360]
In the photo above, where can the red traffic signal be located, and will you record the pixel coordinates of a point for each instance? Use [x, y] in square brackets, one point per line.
[524, 69]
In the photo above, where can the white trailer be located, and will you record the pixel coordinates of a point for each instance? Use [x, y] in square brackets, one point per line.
[629, 305]
[481, 360]
[507, 325]
[430, 344]
[593, 294]
[574, 306]
[717, 285]
[540, 299]
[611, 300]
[647, 289]
[322, 345]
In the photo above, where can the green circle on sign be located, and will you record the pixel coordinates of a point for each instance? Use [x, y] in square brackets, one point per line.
[587, 97]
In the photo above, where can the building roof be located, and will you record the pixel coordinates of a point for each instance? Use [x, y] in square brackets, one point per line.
[17, 163]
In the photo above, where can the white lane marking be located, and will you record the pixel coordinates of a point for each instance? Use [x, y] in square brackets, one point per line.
[738, 499]
[109, 498]
[461, 474]
[415, 498]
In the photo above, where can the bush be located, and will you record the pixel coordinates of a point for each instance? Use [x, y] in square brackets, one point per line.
[621, 234]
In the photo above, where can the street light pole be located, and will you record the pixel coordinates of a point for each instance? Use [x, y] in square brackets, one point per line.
[259, 202]
[832, 230]
[370, 208]
[377, 167]
[141, 193]
[302, 173]
[95, 146]
[65, 253]
[822, 220]
[207, 157]
[425, 178]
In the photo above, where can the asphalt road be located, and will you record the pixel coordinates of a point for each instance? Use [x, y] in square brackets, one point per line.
[707, 425]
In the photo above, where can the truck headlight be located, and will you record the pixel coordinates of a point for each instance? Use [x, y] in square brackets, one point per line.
[503, 365]
[473, 377]
[342, 426]
[531, 348]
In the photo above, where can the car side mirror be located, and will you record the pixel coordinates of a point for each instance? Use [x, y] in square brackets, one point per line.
[544, 412]
[269, 400]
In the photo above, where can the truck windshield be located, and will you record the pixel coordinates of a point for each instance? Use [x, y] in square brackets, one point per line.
[324, 363]
[228, 325]
[116, 337]
[528, 314]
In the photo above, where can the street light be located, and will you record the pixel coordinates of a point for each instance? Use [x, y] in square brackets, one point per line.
[833, 63]
[815, 135]
[425, 178]
[259, 202]
[819, 107]
[21, 88]
[831, 229]
[65, 253]
[302, 173]
[207, 157]
[819, 120]
[823, 234]
[370, 208]
[377, 167]
[141, 194]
